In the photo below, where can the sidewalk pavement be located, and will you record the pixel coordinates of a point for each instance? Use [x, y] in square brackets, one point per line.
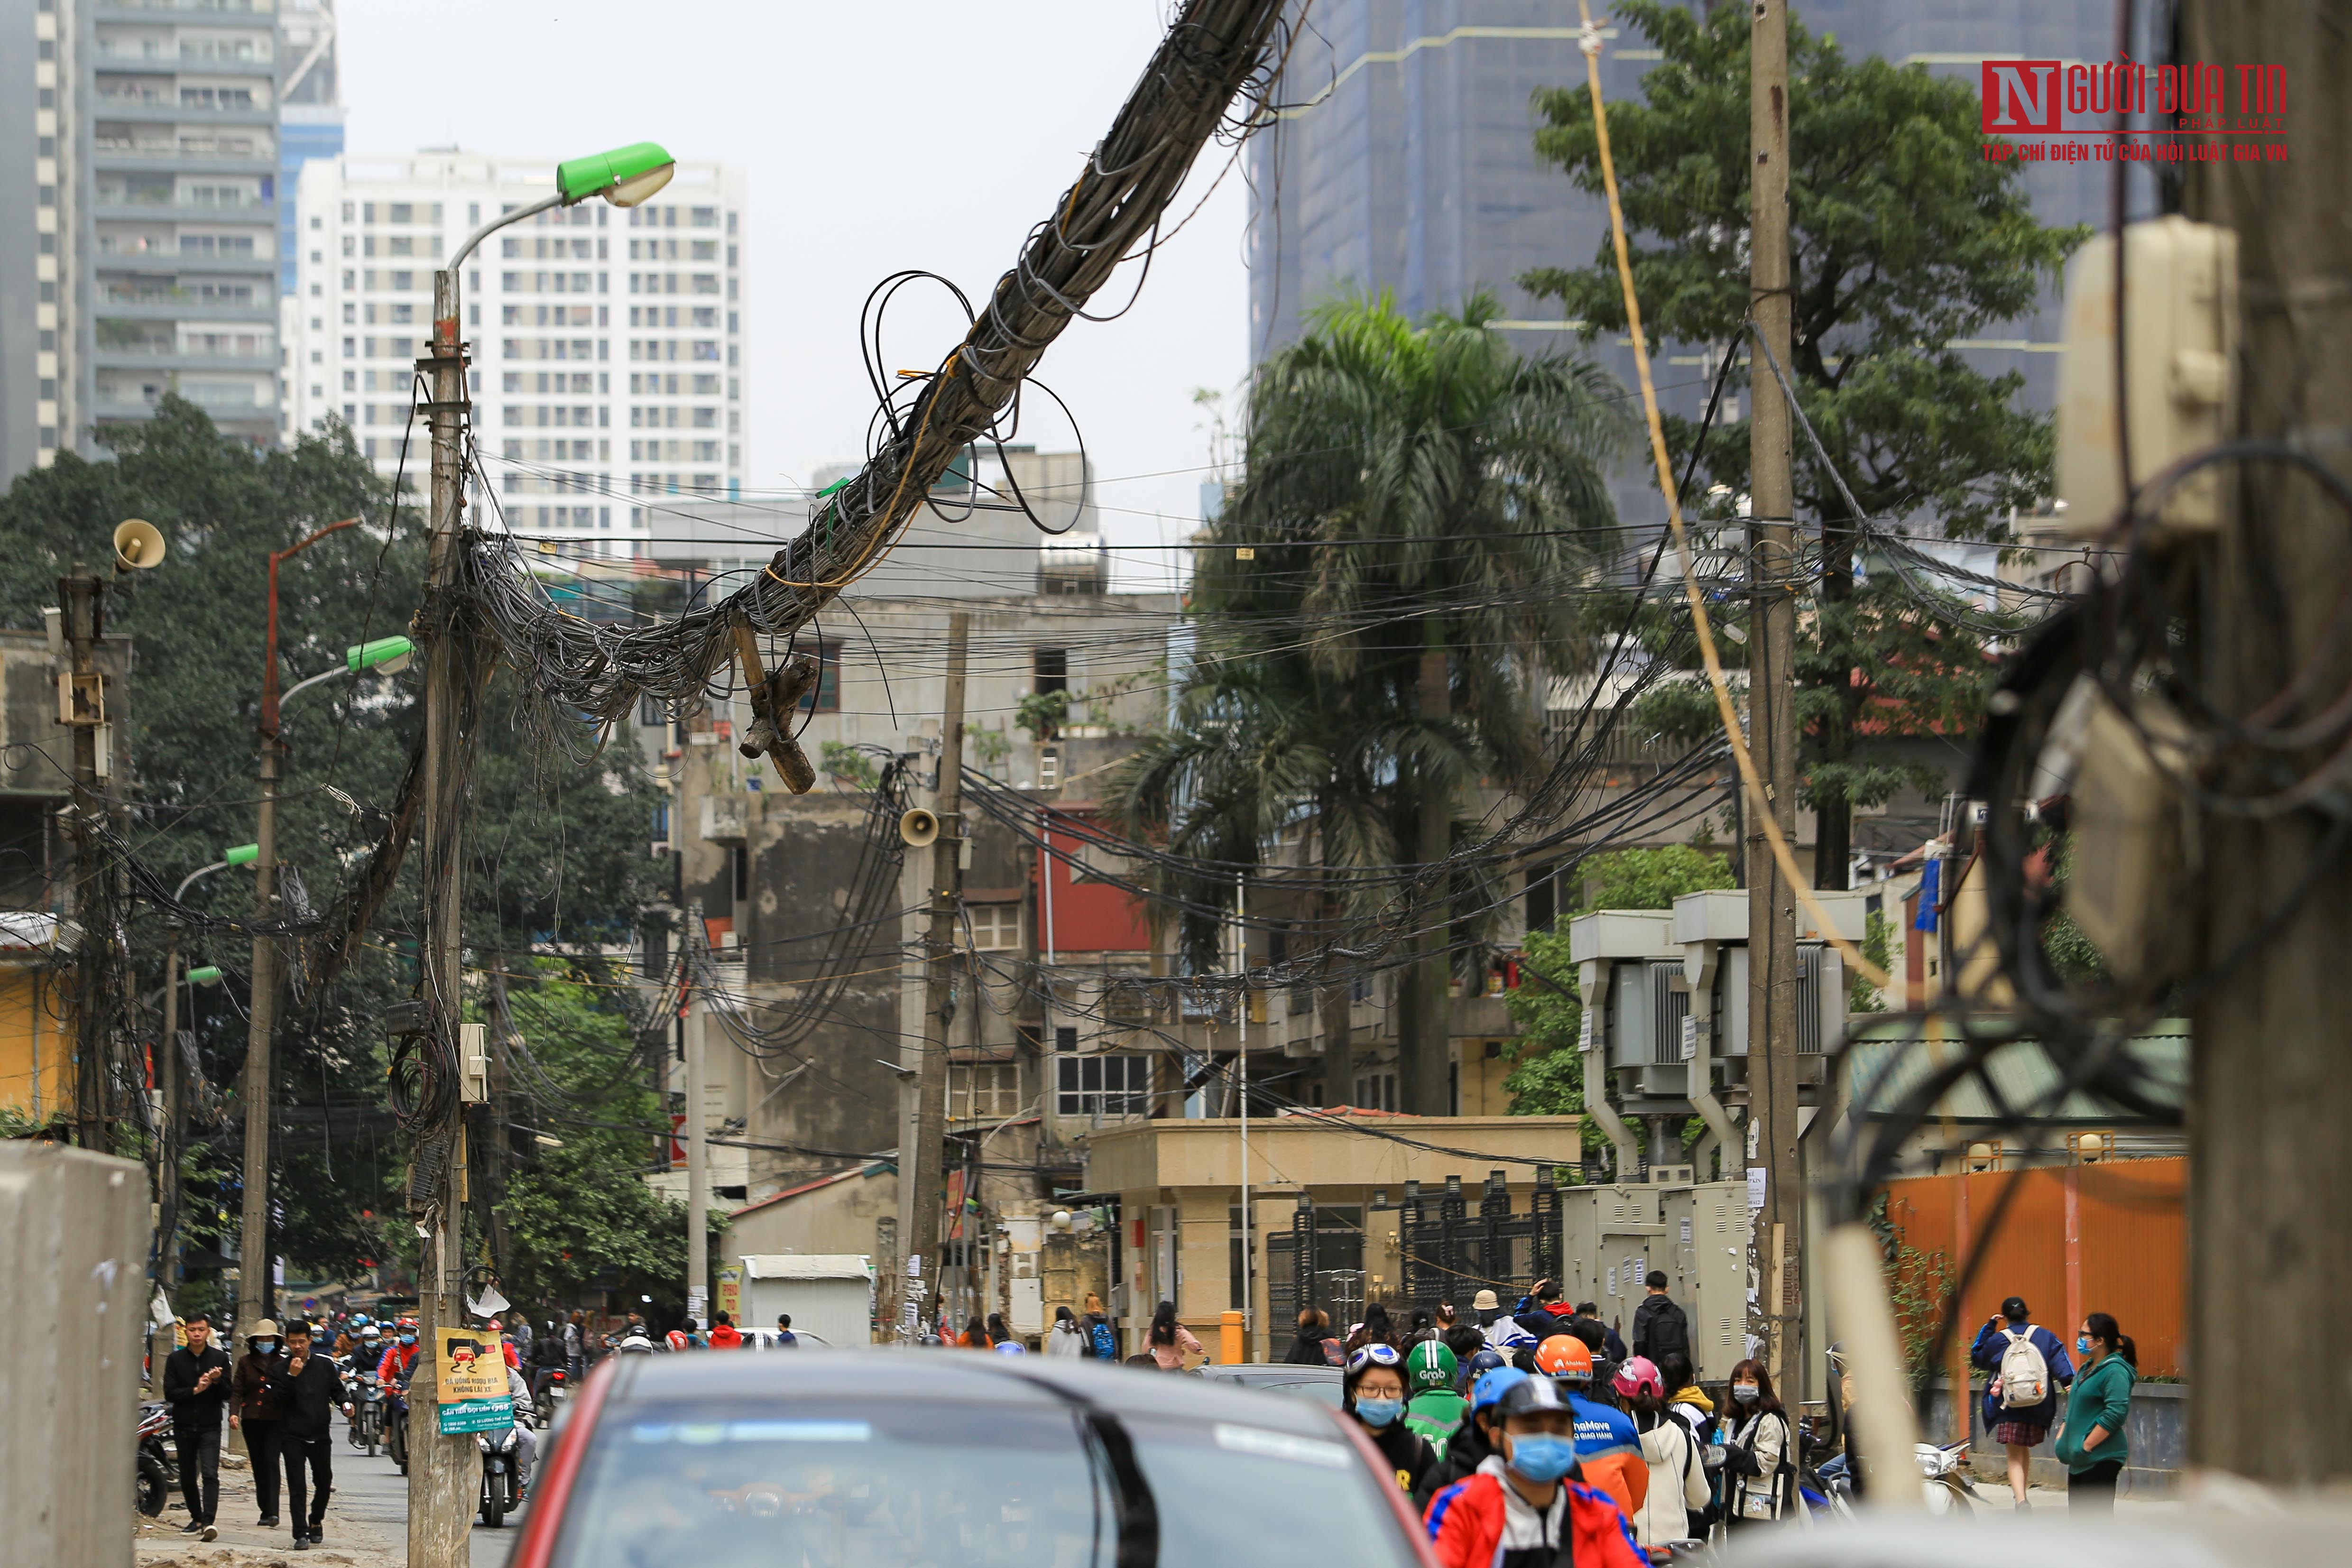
[350, 1544]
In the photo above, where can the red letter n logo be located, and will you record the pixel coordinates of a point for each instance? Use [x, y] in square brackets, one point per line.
[2020, 95]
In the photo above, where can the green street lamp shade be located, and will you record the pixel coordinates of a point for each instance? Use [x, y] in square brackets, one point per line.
[390, 655]
[206, 976]
[241, 854]
[624, 176]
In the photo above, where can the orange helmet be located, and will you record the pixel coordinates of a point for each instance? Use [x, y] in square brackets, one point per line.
[1565, 1356]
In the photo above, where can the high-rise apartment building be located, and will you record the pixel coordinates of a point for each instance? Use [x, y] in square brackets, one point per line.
[1403, 159]
[138, 155]
[607, 342]
[309, 111]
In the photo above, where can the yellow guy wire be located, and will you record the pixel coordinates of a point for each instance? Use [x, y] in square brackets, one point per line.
[1761, 802]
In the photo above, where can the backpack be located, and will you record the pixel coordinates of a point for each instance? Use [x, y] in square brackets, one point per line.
[2025, 1373]
[1334, 1354]
[1105, 1347]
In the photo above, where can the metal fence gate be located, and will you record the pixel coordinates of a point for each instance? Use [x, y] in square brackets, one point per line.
[1451, 1254]
[1333, 1246]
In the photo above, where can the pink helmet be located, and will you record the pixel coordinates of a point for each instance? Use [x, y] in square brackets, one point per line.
[1637, 1374]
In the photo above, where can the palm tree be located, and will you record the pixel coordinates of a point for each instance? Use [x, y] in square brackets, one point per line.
[1415, 496]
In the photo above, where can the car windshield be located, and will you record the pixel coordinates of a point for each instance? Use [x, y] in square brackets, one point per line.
[877, 1484]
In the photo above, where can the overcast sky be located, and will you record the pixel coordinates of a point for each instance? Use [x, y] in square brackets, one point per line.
[875, 137]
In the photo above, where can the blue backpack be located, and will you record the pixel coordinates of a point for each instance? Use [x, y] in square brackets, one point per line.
[1106, 1343]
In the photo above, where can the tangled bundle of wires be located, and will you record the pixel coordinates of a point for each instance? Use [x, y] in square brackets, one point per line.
[1216, 52]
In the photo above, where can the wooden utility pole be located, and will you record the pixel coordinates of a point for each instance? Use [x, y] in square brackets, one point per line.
[927, 1172]
[1428, 1002]
[698, 1158]
[443, 1472]
[1772, 709]
[2270, 1083]
[252, 1270]
[79, 598]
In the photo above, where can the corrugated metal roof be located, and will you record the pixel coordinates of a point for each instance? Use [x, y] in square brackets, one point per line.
[807, 1266]
[2021, 1072]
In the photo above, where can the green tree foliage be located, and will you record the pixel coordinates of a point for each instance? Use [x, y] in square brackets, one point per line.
[1902, 237]
[1406, 483]
[1547, 1077]
[578, 1215]
[556, 852]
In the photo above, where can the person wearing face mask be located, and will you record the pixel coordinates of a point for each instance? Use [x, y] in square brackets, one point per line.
[1760, 1456]
[399, 1356]
[1372, 1390]
[1503, 1334]
[2092, 1442]
[1527, 1506]
[1607, 1446]
[252, 1410]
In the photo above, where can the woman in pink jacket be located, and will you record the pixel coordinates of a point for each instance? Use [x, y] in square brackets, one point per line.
[1171, 1341]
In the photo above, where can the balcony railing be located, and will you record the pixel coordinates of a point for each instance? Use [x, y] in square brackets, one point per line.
[257, 147]
[216, 7]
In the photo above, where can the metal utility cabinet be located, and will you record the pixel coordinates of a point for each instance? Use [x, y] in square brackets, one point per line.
[1696, 1233]
[828, 1294]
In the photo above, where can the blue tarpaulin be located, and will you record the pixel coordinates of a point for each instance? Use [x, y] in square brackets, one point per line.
[1931, 878]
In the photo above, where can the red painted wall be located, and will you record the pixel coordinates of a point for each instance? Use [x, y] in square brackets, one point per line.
[1086, 917]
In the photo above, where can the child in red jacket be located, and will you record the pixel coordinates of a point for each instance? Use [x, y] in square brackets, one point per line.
[1523, 1507]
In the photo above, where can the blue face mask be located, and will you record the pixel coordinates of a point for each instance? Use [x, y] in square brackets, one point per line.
[1379, 1413]
[2082, 1344]
[266, 1347]
[408, 1339]
[1542, 1457]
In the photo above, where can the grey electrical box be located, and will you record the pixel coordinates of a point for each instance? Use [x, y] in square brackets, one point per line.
[1612, 1237]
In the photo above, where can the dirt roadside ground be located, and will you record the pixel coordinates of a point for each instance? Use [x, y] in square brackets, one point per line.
[348, 1543]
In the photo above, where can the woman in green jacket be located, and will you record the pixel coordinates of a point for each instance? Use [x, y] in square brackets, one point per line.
[2093, 1443]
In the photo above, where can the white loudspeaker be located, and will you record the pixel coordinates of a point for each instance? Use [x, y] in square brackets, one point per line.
[138, 543]
[919, 828]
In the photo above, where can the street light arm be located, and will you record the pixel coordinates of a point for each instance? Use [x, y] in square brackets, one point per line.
[457, 257]
[306, 684]
[181, 890]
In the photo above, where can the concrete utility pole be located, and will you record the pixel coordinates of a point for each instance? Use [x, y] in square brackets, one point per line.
[697, 1159]
[443, 1473]
[1429, 1009]
[2271, 1084]
[1772, 709]
[253, 1273]
[924, 1159]
[78, 601]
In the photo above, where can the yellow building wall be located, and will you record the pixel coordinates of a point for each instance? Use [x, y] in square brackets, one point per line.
[36, 1042]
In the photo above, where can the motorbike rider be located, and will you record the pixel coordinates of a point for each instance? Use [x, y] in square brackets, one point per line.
[1525, 1506]
[547, 1359]
[525, 1439]
[1503, 1334]
[1475, 1438]
[1372, 1390]
[400, 1355]
[252, 1410]
[1434, 1409]
[1607, 1446]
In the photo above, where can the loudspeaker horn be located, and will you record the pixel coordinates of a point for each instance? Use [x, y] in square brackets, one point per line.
[138, 544]
[919, 828]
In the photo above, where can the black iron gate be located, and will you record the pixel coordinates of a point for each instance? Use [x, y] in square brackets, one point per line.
[1331, 1243]
[1451, 1254]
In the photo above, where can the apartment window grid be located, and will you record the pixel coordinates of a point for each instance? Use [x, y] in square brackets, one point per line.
[982, 1091]
[542, 319]
[995, 928]
[1107, 1086]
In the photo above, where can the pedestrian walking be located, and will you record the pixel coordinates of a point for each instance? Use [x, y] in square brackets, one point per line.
[1067, 1339]
[252, 1410]
[2028, 1366]
[1501, 1332]
[1686, 1402]
[1603, 1340]
[1171, 1342]
[1314, 1345]
[1679, 1489]
[308, 1392]
[1760, 1458]
[1102, 1338]
[196, 1387]
[575, 1346]
[1541, 1314]
[1660, 1327]
[1375, 1330]
[1000, 1331]
[2094, 1444]
[785, 1339]
[975, 1336]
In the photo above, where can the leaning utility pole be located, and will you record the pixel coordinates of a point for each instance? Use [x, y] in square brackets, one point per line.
[1772, 712]
[925, 1165]
[443, 1472]
[2269, 1084]
[253, 1269]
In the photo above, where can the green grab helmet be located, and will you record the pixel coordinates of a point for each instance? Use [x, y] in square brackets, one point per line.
[1430, 1368]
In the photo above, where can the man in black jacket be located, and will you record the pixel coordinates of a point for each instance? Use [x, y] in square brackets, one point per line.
[196, 1385]
[307, 1389]
[1659, 1326]
[1541, 1312]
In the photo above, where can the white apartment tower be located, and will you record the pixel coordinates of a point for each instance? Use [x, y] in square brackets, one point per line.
[607, 342]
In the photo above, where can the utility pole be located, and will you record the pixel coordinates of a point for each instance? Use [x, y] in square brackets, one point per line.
[2269, 1084]
[444, 1472]
[1772, 712]
[925, 1160]
[1241, 1065]
[83, 710]
[698, 1160]
[1429, 1010]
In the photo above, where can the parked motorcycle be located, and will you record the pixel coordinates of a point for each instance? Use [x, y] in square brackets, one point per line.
[551, 1399]
[367, 1413]
[502, 1488]
[154, 1457]
[1951, 1486]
